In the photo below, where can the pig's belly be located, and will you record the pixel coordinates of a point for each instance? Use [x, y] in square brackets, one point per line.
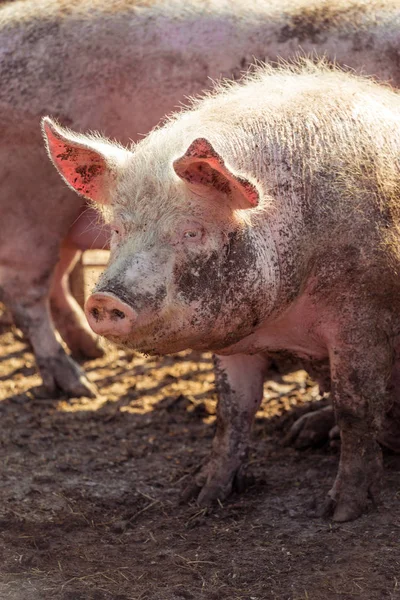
[89, 231]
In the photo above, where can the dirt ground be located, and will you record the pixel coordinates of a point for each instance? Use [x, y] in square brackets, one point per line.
[89, 498]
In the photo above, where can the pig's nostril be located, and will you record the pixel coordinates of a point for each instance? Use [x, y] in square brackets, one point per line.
[95, 313]
[118, 314]
[107, 314]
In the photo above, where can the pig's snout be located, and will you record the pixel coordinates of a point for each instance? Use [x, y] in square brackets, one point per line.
[107, 315]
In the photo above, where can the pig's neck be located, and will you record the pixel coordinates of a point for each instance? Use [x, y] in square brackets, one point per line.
[293, 323]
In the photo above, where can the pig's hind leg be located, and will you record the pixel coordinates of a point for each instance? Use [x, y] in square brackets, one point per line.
[239, 382]
[88, 231]
[361, 363]
[68, 316]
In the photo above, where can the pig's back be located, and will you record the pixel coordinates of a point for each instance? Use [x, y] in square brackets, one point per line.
[121, 66]
[315, 138]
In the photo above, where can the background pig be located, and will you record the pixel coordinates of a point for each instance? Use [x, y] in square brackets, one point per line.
[266, 218]
[119, 67]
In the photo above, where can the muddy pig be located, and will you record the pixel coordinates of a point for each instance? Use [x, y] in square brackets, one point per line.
[120, 66]
[264, 218]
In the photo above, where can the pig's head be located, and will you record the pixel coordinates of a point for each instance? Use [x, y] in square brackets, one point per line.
[189, 267]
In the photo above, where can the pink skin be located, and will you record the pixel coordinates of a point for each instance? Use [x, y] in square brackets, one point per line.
[240, 366]
[66, 312]
[108, 315]
[244, 245]
[300, 329]
[87, 232]
[149, 63]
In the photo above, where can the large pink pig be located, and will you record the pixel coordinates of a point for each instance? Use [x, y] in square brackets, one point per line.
[265, 218]
[118, 67]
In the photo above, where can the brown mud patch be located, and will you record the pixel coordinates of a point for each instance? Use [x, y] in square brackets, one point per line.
[314, 22]
[89, 494]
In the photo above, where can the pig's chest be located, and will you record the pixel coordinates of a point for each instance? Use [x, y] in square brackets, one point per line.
[298, 339]
[295, 331]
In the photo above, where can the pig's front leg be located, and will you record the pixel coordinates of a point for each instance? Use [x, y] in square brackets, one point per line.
[359, 377]
[239, 382]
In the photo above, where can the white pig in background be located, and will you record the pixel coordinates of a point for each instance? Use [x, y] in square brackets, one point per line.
[265, 218]
[119, 67]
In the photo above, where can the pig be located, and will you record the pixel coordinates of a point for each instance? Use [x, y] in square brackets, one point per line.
[119, 67]
[264, 218]
[318, 427]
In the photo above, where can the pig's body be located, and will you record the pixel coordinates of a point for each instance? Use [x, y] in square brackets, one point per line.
[266, 218]
[119, 67]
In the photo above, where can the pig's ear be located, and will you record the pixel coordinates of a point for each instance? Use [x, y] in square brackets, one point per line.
[205, 172]
[89, 165]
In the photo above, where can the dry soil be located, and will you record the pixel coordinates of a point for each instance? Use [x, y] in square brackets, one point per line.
[89, 495]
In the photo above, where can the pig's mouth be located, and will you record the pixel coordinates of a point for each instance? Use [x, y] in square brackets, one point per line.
[157, 342]
[159, 336]
[152, 345]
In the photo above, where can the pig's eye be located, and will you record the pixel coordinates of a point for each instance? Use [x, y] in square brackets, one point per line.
[116, 235]
[192, 234]
[116, 229]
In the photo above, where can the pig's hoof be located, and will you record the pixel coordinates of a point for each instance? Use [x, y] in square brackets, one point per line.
[86, 347]
[345, 509]
[358, 480]
[82, 343]
[334, 438]
[83, 387]
[76, 333]
[312, 429]
[353, 491]
[211, 484]
[62, 375]
[207, 494]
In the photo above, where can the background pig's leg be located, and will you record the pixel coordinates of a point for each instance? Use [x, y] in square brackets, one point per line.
[68, 316]
[59, 371]
[27, 298]
[319, 426]
[239, 382]
[360, 376]
[390, 434]
[88, 232]
[313, 428]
